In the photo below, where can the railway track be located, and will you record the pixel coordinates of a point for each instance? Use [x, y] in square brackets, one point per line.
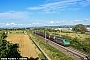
[75, 54]
[43, 53]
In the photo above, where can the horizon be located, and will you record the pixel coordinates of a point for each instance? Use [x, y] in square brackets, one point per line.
[32, 13]
[59, 26]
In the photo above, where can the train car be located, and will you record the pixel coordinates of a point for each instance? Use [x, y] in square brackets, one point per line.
[52, 37]
[56, 39]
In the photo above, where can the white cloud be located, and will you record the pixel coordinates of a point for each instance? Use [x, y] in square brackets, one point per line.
[51, 22]
[58, 5]
[56, 22]
[78, 20]
[47, 23]
[86, 19]
[35, 23]
[7, 24]
[19, 24]
[85, 2]
[13, 23]
[13, 15]
[29, 24]
[83, 20]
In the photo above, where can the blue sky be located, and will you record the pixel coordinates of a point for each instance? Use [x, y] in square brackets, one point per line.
[28, 13]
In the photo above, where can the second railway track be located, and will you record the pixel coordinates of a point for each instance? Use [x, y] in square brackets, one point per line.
[75, 54]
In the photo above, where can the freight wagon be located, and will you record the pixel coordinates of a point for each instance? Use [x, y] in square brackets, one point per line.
[56, 39]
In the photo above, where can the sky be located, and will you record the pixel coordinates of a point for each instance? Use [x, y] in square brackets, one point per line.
[35, 13]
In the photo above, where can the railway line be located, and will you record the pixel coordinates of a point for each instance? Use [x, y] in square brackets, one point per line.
[75, 54]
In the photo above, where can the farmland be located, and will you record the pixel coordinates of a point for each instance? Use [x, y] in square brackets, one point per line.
[26, 48]
[21, 45]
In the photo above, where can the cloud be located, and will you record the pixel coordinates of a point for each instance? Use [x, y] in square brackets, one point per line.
[7, 24]
[58, 5]
[86, 19]
[85, 2]
[10, 24]
[72, 22]
[13, 23]
[35, 23]
[51, 22]
[13, 15]
[83, 20]
[78, 20]
[47, 23]
[56, 22]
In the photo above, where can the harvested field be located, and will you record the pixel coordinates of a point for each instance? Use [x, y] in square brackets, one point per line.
[26, 47]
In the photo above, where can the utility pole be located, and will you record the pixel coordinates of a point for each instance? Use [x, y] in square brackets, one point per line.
[35, 32]
[60, 32]
[45, 36]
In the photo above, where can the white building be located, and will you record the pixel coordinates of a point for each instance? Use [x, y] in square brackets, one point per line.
[63, 29]
[88, 28]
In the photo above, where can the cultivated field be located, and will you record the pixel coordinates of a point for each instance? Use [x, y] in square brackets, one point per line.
[26, 47]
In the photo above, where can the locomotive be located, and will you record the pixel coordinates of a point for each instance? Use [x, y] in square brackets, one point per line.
[56, 39]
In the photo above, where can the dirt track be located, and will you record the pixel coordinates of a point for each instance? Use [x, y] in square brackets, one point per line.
[26, 48]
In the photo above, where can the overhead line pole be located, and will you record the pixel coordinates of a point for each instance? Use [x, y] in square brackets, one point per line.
[45, 36]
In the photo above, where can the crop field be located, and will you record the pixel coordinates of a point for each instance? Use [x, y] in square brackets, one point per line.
[26, 47]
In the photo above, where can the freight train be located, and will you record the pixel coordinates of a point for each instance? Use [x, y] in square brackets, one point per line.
[56, 39]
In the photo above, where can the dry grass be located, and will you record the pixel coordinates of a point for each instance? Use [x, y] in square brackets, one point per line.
[26, 47]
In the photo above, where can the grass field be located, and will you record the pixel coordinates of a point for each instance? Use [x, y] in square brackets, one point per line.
[26, 47]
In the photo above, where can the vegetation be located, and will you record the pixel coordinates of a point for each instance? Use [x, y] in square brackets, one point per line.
[52, 52]
[7, 49]
[79, 28]
[78, 41]
[79, 44]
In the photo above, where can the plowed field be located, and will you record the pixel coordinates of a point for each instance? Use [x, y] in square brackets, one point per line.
[26, 47]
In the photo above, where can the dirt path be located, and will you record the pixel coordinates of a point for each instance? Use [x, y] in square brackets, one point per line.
[26, 48]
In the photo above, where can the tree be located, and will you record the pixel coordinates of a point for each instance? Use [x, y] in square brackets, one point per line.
[0, 29]
[79, 28]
